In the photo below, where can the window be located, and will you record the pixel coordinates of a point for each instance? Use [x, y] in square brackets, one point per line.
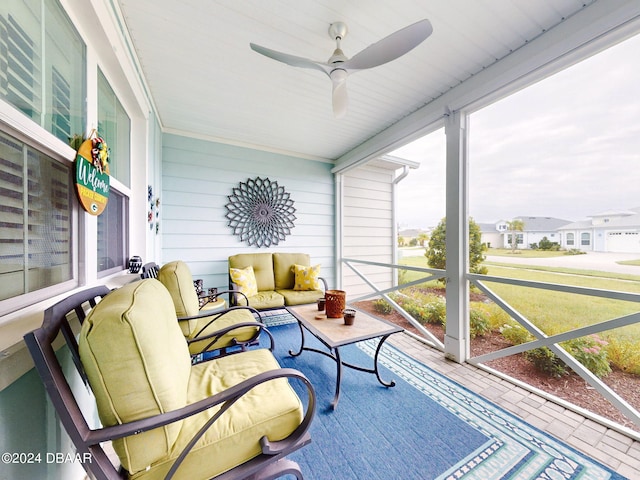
[113, 234]
[585, 239]
[570, 239]
[114, 125]
[519, 239]
[49, 89]
[37, 223]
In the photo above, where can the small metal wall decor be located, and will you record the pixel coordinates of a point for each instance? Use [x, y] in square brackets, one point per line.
[153, 215]
[260, 212]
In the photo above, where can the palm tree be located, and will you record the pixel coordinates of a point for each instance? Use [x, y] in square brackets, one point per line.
[423, 238]
[515, 225]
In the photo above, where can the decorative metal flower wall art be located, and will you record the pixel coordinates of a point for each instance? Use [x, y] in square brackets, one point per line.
[260, 212]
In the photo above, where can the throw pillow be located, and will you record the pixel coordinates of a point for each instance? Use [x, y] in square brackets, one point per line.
[245, 279]
[306, 278]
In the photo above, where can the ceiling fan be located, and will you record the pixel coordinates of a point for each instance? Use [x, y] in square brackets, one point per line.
[339, 67]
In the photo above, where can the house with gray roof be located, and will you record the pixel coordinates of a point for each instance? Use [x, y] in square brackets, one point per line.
[608, 231]
[535, 229]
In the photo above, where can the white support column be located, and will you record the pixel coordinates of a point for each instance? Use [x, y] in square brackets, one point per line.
[456, 340]
[339, 216]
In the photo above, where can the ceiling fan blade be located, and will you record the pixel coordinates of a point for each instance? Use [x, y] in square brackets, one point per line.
[292, 60]
[391, 47]
[339, 92]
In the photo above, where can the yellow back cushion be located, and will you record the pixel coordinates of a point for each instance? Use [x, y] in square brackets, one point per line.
[138, 365]
[262, 264]
[177, 278]
[282, 263]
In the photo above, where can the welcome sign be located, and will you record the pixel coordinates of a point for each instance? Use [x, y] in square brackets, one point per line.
[92, 175]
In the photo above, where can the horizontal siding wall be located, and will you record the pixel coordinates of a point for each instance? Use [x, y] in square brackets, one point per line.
[197, 177]
[367, 227]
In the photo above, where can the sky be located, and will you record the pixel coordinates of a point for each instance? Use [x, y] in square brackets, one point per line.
[567, 147]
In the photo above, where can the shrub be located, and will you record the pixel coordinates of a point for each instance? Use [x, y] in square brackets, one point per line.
[516, 334]
[546, 244]
[436, 312]
[436, 252]
[432, 309]
[479, 323]
[495, 315]
[624, 354]
[590, 352]
[575, 251]
[382, 306]
[546, 361]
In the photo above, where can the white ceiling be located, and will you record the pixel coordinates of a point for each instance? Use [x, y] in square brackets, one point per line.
[206, 81]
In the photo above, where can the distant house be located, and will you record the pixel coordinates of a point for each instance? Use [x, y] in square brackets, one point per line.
[609, 231]
[410, 234]
[535, 229]
[491, 235]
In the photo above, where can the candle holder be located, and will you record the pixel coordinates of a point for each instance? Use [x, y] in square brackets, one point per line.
[349, 316]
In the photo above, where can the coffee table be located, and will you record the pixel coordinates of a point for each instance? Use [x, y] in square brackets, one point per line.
[333, 333]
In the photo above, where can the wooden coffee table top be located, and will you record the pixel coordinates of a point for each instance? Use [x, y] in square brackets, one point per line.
[334, 333]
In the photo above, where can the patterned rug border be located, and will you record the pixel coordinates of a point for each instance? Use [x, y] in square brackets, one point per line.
[526, 451]
[515, 449]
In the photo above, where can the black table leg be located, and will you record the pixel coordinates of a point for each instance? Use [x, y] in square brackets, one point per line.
[339, 364]
[301, 342]
[375, 362]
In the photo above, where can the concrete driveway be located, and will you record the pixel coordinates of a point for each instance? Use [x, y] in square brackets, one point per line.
[601, 261]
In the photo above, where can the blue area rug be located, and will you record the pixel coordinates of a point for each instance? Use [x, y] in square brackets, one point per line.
[426, 427]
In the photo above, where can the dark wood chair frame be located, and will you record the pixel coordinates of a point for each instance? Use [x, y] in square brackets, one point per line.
[270, 464]
[151, 269]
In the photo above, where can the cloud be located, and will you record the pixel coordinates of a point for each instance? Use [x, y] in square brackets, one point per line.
[566, 147]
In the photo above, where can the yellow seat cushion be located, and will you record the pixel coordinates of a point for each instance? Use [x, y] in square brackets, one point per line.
[262, 300]
[138, 365]
[300, 297]
[245, 279]
[233, 317]
[234, 438]
[306, 278]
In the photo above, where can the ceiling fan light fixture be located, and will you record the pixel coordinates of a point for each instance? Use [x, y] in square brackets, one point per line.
[338, 67]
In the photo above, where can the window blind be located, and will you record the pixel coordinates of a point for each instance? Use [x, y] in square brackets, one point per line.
[36, 224]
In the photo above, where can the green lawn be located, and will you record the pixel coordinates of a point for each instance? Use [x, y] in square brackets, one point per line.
[630, 262]
[555, 312]
[504, 252]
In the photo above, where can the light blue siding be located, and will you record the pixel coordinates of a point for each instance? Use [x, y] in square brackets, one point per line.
[197, 177]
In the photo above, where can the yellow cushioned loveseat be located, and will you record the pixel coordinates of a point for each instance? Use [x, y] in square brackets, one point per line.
[138, 365]
[269, 280]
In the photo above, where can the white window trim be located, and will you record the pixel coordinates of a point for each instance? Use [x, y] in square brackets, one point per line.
[27, 131]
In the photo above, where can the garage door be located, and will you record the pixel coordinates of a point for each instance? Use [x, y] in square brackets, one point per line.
[623, 242]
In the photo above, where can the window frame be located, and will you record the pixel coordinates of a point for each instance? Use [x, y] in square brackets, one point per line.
[124, 234]
[585, 239]
[119, 185]
[18, 302]
[570, 239]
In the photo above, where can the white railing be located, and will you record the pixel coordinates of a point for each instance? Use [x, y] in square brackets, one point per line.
[541, 339]
[552, 342]
[433, 273]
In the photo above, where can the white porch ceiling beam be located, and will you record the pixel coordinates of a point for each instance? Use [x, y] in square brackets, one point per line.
[591, 30]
